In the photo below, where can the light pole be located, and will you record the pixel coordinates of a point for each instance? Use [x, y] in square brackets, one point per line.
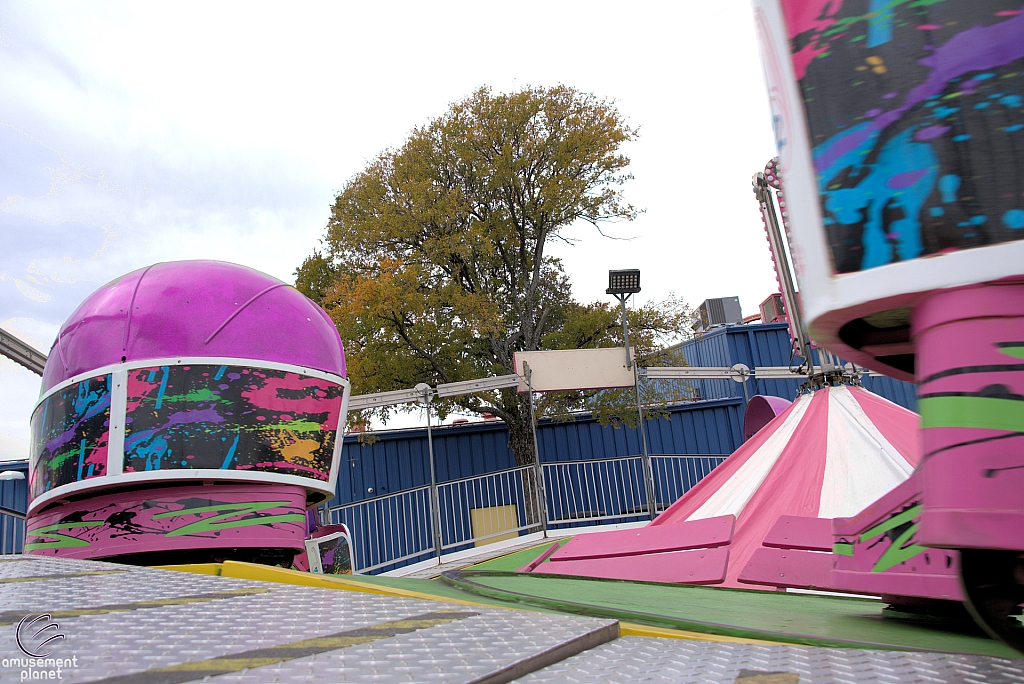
[621, 285]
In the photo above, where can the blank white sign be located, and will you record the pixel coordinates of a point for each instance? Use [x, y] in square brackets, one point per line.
[574, 369]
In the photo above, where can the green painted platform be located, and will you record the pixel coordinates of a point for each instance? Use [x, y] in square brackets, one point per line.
[772, 616]
[814, 620]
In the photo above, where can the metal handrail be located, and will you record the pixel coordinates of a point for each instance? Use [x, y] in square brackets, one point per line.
[501, 488]
[375, 498]
[590, 490]
[11, 512]
[475, 477]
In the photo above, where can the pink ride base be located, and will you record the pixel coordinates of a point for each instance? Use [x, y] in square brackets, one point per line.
[171, 519]
[970, 369]
[874, 552]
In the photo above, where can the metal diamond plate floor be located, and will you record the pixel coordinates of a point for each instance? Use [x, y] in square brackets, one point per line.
[636, 659]
[126, 624]
[123, 624]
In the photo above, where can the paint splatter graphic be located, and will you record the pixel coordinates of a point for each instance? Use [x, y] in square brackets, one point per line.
[230, 418]
[172, 519]
[916, 112]
[336, 556]
[70, 431]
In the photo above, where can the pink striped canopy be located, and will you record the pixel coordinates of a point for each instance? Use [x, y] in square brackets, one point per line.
[828, 455]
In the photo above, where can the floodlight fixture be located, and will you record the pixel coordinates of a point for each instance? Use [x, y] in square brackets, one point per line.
[623, 282]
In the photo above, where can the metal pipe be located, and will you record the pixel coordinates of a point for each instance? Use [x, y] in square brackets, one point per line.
[625, 329]
[435, 514]
[766, 200]
[543, 508]
[648, 474]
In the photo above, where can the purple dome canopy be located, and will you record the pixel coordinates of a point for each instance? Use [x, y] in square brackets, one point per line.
[190, 309]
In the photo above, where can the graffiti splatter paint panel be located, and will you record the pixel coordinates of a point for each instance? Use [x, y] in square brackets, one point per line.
[70, 432]
[916, 112]
[230, 418]
[332, 553]
[175, 519]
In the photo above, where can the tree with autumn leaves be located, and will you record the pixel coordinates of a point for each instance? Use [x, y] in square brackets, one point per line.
[435, 267]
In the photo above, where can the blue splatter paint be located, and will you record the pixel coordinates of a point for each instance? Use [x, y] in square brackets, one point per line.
[902, 178]
[163, 386]
[984, 77]
[1013, 128]
[937, 211]
[978, 220]
[948, 185]
[231, 454]
[982, 105]
[943, 112]
[880, 23]
[220, 373]
[1012, 101]
[81, 458]
[962, 137]
[1014, 219]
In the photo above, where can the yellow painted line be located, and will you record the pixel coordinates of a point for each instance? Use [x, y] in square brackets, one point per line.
[221, 665]
[197, 568]
[282, 653]
[11, 617]
[633, 629]
[37, 578]
[265, 573]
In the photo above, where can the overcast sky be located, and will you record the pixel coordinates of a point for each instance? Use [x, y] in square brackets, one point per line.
[142, 132]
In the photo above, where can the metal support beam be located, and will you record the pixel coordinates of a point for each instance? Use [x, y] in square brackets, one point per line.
[648, 470]
[538, 469]
[367, 401]
[426, 395]
[21, 352]
[721, 373]
[414, 395]
[452, 389]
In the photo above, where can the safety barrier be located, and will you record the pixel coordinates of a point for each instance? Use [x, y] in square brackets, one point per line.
[675, 475]
[397, 528]
[387, 530]
[487, 508]
[12, 530]
[600, 490]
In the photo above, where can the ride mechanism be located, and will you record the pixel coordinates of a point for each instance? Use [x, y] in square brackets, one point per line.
[899, 139]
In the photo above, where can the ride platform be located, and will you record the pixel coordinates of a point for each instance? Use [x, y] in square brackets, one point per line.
[239, 622]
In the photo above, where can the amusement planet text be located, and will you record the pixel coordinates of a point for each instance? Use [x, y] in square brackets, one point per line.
[38, 669]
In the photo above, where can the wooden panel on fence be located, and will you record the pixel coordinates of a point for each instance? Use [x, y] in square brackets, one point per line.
[491, 520]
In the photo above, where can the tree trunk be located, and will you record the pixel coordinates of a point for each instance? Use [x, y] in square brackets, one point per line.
[520, 432]
[520, 443]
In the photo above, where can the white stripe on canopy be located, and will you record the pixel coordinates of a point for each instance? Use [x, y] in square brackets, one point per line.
[860, 464]
[733, 495]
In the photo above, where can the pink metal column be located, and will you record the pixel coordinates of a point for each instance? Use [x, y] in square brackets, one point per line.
[970, 369]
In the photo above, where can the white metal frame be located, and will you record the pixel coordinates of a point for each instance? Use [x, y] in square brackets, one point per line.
[313, 550]
[115, 474]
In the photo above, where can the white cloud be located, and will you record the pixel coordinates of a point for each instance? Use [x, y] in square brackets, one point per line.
[143, 132]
